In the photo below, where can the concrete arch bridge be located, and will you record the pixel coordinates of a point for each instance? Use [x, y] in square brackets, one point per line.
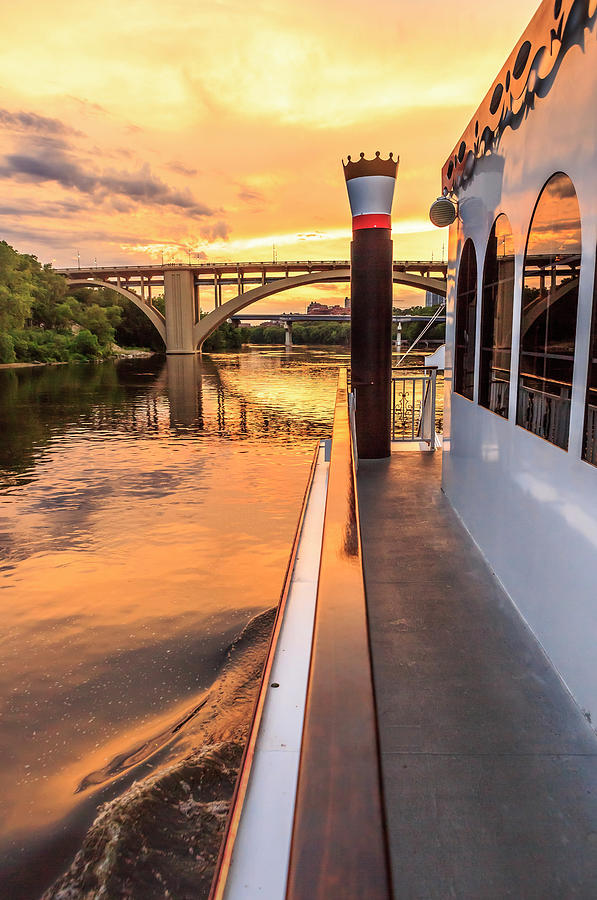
[183, 330]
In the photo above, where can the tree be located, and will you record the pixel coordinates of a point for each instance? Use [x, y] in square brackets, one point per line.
[16, 287]
[7, 348]
[86, 344]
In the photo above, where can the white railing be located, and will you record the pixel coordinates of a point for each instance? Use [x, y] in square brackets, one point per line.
[547, 415]
[499, 391]
[413, 404]
[590, 442]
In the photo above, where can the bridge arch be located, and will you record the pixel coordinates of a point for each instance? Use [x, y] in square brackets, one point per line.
[218, 316]
[154, 316]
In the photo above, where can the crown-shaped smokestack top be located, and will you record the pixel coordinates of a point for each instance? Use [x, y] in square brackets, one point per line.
[375, 166]
[370, 184]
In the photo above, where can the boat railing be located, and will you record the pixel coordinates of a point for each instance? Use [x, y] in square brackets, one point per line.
[413, 399]
[590, 439]
[352, 414]
[339, 846]
[499, 392]
[545, 414]
[237, 805]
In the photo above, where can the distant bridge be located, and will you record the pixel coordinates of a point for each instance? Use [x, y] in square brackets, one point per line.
[283, 318]
[288, 319]
[184, 331]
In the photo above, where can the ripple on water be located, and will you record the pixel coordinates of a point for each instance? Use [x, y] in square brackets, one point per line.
[147, 510]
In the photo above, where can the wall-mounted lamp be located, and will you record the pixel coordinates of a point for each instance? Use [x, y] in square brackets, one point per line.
[443, 211]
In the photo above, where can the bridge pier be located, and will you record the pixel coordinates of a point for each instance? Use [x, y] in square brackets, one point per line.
[179, 296]
[288, 334]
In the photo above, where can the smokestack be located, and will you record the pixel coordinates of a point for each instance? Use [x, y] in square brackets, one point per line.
[370, 184]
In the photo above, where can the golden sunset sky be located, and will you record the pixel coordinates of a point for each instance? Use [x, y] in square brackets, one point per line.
[132, 129]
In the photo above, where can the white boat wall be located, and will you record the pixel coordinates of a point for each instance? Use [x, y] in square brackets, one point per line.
[437, 358]
[519, 452]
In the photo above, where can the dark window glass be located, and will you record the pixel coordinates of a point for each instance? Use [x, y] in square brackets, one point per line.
[589, 445]
[466, 313]
[496, 318]
[548, 313]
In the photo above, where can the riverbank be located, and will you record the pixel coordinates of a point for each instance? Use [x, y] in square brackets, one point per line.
[30, 365]
[119, 353]
[132, 353]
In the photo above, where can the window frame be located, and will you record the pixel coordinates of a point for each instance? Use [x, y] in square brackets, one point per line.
[544, 413]
[488, 321]
[592, 460]
[468, 349]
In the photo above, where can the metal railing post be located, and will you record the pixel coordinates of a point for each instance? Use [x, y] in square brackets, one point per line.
[432, 428]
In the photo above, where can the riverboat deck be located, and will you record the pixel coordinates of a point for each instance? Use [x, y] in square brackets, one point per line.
[489, 768]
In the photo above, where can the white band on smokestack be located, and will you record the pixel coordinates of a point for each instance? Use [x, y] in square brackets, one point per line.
[371, 194]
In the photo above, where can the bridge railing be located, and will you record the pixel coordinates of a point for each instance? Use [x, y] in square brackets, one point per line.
[233, 266]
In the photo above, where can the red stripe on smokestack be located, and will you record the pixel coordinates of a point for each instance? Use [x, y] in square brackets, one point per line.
[371, 220]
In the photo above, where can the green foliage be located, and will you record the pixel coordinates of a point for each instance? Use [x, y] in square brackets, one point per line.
[411, 330]
[226, 337]
[17, 284]
[7, 348]
[132, 328]
[39, 345]
[337, 333]
[86, 344]
[41, 321]
[50, 307]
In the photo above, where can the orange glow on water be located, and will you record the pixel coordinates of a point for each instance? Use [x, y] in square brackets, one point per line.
[141, 531]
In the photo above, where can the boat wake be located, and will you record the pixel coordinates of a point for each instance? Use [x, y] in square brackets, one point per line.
[161, 836]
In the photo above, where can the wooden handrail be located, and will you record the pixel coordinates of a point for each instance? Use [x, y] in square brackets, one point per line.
[218, 885]
[339, 846]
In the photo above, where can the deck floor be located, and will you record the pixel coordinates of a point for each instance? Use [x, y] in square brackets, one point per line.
[489, 767]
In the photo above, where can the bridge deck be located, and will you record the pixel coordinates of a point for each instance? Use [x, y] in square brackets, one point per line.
[489, 767]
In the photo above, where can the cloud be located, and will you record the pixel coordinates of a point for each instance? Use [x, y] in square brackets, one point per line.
[88, 105]
[219, 230]
[36, 165]
[61, 209]
[247, 195]
[56, 239]
[181, 170]
[28, 121]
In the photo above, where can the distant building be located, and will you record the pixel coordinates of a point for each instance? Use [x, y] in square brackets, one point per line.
[432, 299]
[320, 309]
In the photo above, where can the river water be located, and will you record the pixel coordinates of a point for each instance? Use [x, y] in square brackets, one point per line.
[147, 511]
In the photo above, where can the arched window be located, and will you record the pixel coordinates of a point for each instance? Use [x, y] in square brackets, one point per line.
[589, 444]
[548, 313]
[496, 318]
[466, 317]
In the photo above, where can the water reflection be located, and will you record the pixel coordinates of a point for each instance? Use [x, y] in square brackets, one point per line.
[146, 514]
[185, 390]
